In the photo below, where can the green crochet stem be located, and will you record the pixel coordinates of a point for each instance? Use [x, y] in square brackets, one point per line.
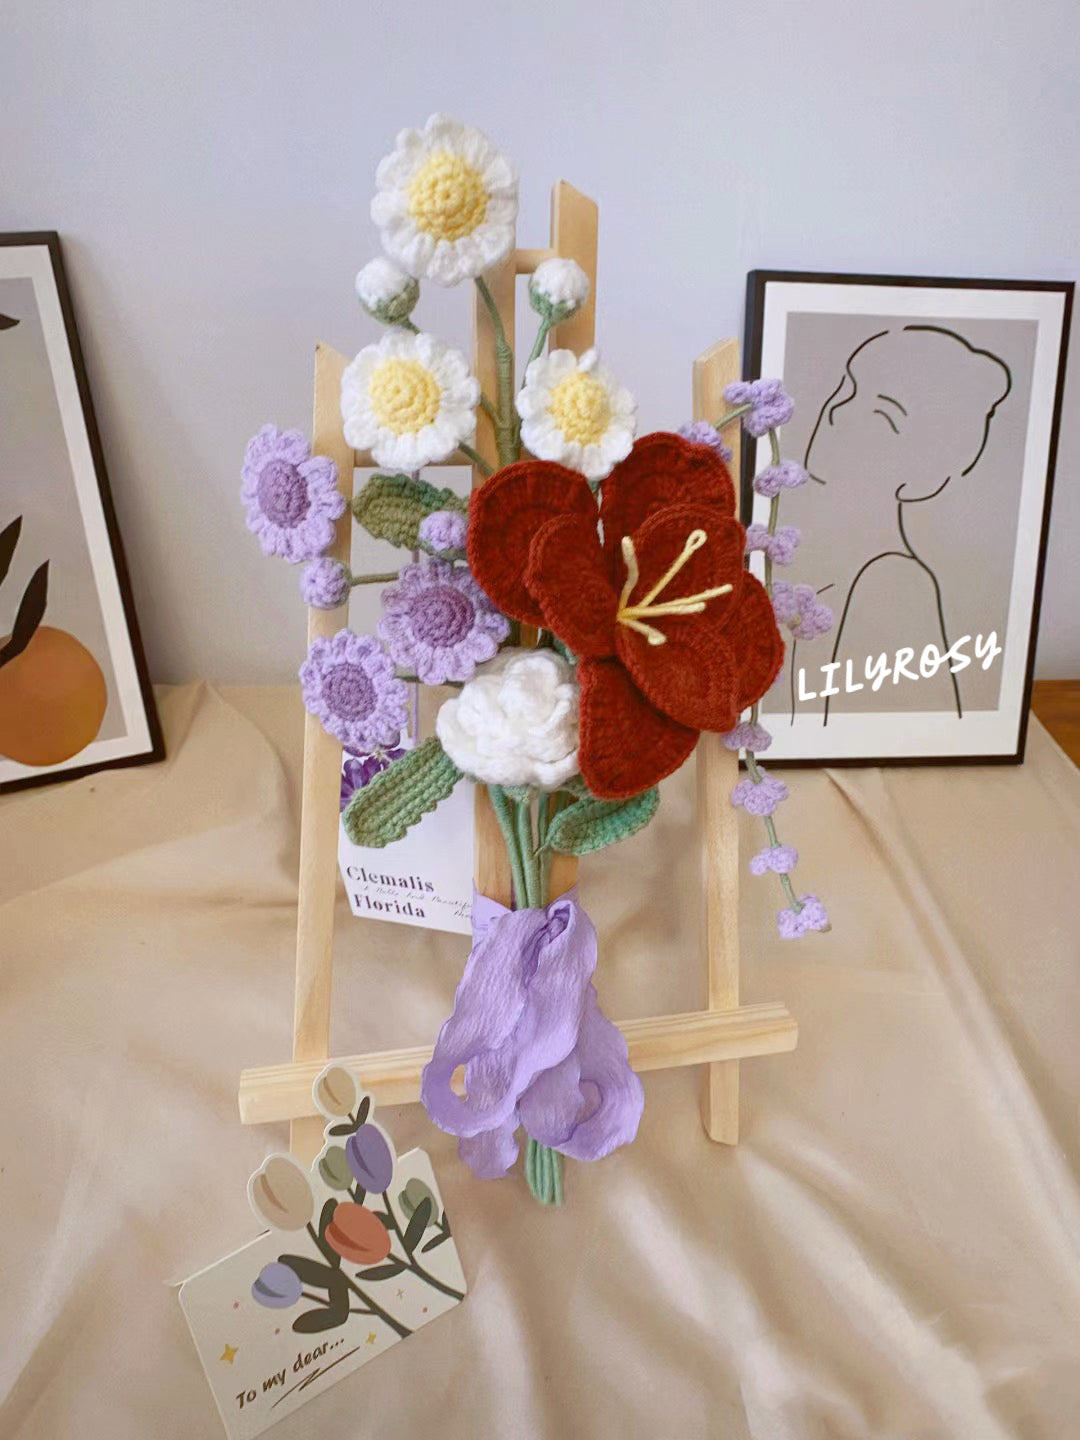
[543, 1173]
[538, 344]
[736, 414]
[505, 428]
[751, 758]
[477, 459]
[543, 1166]
[383, 577]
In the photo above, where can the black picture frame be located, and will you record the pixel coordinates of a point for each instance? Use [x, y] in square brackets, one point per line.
[761, 286]
[147, 743]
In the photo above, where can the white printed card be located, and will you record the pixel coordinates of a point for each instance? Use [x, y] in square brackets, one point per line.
[423, 879]
[358, 1257]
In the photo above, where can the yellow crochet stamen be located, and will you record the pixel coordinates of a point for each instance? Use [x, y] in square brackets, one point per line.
[447, 197]
[581, 408]
[632, 615]
[404, 395]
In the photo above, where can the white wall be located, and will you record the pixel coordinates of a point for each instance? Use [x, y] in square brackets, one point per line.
[209, 165]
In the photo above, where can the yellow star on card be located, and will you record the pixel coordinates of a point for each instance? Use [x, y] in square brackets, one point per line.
[229, 1354]
[371, 1337]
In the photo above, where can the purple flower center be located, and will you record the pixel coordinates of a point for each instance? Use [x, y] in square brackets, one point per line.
[283, 493]
[348, 691]
[444, 616]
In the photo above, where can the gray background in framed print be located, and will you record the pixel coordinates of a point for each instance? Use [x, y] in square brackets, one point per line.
[38, 484]
[882, 405]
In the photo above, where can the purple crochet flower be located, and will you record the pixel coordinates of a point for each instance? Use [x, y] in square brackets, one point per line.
[748, 736]
[798, 607]
[438, 620]
[536, 1049]
[291, 495]
[780, 859]
[348, 682]
[759, 797]
[784, 475]
[360, 770]
[700, 432]
[444, 530]
[324, 585]
[794, 923]
[773, 406]
[780, 548]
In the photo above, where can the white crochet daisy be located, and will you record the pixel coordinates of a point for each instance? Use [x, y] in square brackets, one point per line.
[573, 411]
[410, 400]
[446, 202]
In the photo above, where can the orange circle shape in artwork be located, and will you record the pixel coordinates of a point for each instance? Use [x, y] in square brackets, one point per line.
[52, 699]
[357, 1234]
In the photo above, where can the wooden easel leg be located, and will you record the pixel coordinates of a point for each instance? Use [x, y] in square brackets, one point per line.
[718, 770]
[321, 786]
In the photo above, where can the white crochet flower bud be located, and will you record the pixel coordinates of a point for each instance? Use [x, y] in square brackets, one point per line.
[558, 289]
[386, 292]
[515, 722]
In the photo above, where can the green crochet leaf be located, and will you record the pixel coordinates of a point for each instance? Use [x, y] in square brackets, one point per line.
[591, 824]
[398, 797]
[390, 507]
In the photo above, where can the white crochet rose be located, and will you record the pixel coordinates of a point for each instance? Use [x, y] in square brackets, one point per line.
[516, 722]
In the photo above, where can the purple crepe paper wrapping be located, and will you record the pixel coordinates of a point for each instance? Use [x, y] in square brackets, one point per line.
[536, 1048]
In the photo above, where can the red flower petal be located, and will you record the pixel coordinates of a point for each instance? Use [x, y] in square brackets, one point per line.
[662, 469]
[757, 643]
[505, 514]
[692, 677]
[719, 561]
[568, 578]
[626, 744]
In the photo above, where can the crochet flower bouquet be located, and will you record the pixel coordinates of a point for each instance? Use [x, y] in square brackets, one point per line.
[592, 607]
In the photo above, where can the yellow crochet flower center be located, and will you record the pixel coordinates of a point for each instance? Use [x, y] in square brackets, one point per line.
[447, 197]
[580, 407]
[404, 395]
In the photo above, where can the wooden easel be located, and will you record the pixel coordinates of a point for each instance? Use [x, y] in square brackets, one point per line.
[717, 1037]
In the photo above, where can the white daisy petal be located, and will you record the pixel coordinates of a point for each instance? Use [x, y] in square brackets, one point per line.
[446, 202]
[410, 400]
[574, 412]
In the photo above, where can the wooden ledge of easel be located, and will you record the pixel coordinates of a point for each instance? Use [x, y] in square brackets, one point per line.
[663, 1042]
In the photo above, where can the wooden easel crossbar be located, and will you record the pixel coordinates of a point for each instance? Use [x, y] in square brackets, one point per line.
[720, 1035]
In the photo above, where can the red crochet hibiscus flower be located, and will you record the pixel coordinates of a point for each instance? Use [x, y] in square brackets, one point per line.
[673, 635]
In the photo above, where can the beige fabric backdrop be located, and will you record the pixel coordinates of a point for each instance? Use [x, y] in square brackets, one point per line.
[891, 1251]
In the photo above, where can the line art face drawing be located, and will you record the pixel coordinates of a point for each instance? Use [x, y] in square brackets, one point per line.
[911, 416]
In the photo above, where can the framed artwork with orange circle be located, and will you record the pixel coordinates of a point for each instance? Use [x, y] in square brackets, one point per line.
[74, 692]
[923, 443]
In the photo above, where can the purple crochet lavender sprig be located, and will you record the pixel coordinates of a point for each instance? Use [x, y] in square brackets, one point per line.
[779, 548]
[700, 432]
[810, 915]
[798, 607]
[780, 475]
[767, 404]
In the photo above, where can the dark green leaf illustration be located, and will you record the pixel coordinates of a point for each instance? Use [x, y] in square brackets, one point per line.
[30, 613]
[364, 1111]
[312, 1321]
[311, 1272]
[418, 1223]
[9, 538]
[7, 322]
[434, 1241]
[383, 1272]
[347, 1129]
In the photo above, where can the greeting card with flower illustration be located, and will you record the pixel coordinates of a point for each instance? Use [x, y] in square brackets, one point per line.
[359, 1255]
[591, 607]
